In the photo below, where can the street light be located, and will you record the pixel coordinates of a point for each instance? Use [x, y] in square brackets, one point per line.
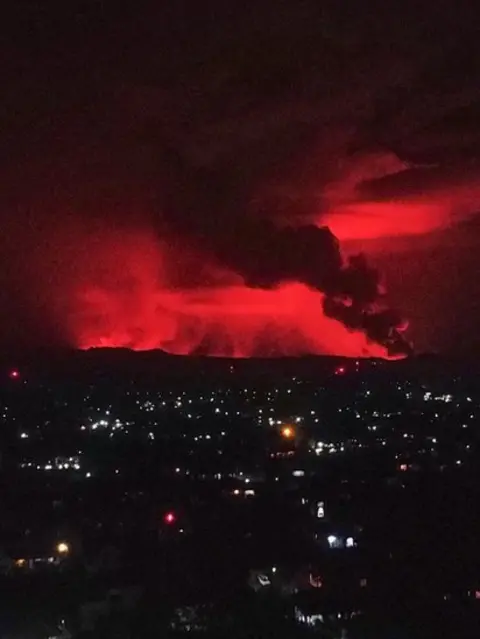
[288, 432]
[332, 540]
[63, 548]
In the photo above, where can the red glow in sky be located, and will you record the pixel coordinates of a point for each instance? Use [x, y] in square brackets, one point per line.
[374, 220]
[351, 218]
[127, 288]
[136, 304]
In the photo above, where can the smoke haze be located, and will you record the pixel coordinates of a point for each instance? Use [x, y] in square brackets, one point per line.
[174, 186]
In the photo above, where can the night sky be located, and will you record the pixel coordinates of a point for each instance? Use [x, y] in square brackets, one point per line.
[167, 168]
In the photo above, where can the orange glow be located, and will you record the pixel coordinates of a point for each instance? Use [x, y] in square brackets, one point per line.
[288, 432]
[63, 548]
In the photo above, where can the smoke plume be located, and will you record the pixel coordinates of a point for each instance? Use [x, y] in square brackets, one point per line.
[190, 192]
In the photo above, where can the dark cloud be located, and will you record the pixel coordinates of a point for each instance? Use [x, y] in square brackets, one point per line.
[224, 123]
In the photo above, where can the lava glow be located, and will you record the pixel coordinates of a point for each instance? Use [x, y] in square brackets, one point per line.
[131, 298]
[234, 321]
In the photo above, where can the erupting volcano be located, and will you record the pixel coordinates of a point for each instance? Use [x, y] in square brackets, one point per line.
[138, 293]
[241, 182]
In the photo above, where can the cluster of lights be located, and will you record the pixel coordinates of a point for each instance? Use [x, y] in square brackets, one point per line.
[248, 492]
[62, 551]
[112, 426]
[49, 466]
[324, 447]
[335, 541]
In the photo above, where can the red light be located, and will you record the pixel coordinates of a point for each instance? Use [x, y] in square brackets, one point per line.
[14, 374]
[340, 370]
[169, 518]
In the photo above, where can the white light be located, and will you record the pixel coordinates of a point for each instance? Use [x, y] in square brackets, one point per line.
[350, 542]
[332, 540]
[298, 473]
[23, 436]
[88, 475]
[274, 569]
[320, 510]
[63, 548]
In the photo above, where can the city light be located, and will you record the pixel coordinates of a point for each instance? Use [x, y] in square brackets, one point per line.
[264, 580]
[332, 540]
[288, 432]
[315, 581]
[63, 548]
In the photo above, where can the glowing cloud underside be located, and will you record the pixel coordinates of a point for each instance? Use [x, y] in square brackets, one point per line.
[133, 304]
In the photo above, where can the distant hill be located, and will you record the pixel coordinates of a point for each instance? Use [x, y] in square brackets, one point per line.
[158, 366]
